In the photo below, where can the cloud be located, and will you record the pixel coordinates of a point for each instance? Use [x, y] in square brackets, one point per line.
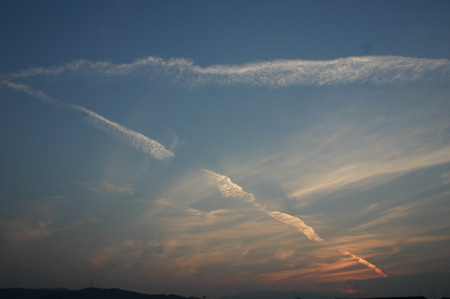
[364, 262]
[445, 178]
[374, 69]
[353, 146]
[415, 208]
[187, 240]
[226, 187]
[135, 139]
[390, 215]
[108, 187]
[32, 91]
[104, 68]
[298, 224]
[229, 189]
[353, 155]
[277, 73]
[358, 172]
[20, 231]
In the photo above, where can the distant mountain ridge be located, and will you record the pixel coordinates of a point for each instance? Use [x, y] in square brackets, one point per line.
[89, 293]
[267, 294]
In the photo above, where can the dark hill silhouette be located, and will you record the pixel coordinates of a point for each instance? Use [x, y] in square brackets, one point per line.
[266, 294]
[413, 297]
[90, 293]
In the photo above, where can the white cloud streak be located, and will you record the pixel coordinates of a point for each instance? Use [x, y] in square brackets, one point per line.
[226, 187]
[32, 91]
[229, 189]
[349, 174]
[364, 262]
[277, 73]
[298, 224]
[135, 139]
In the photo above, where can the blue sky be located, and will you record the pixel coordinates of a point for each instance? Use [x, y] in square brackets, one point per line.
[210, 148]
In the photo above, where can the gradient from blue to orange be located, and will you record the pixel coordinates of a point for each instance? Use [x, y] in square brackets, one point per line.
[208, 148]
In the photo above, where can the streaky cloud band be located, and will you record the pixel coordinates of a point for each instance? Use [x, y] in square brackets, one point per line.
[135, 139]
[276, 73]
[228, 189]
[364, 262]
[297, 223]
[33, 92]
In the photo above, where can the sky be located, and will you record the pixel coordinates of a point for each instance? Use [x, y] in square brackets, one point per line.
[210, 148]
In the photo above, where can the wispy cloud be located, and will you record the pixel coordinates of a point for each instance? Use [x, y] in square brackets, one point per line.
[229, 189]
[375, 69]
[277, 73]
[366, 170]
[108, 187]
[344, 156]
[224, 184]
[416, 208]
[31, 91]
[364, 262]
[298, 224]
[344, 150]
[19, 232]
[135, 139]
[446, 178]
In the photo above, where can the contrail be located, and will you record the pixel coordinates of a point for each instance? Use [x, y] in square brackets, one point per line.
[135, 139]
[364, 262]
[231, 190]
[33, 92]
[298, 224]
[274, 74]
[226, 187]
[277, 73]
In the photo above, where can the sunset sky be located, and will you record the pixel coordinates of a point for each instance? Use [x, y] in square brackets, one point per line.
[207, 148]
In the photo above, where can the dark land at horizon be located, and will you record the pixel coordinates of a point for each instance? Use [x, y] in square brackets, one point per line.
[114, 293]
[88, 293]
